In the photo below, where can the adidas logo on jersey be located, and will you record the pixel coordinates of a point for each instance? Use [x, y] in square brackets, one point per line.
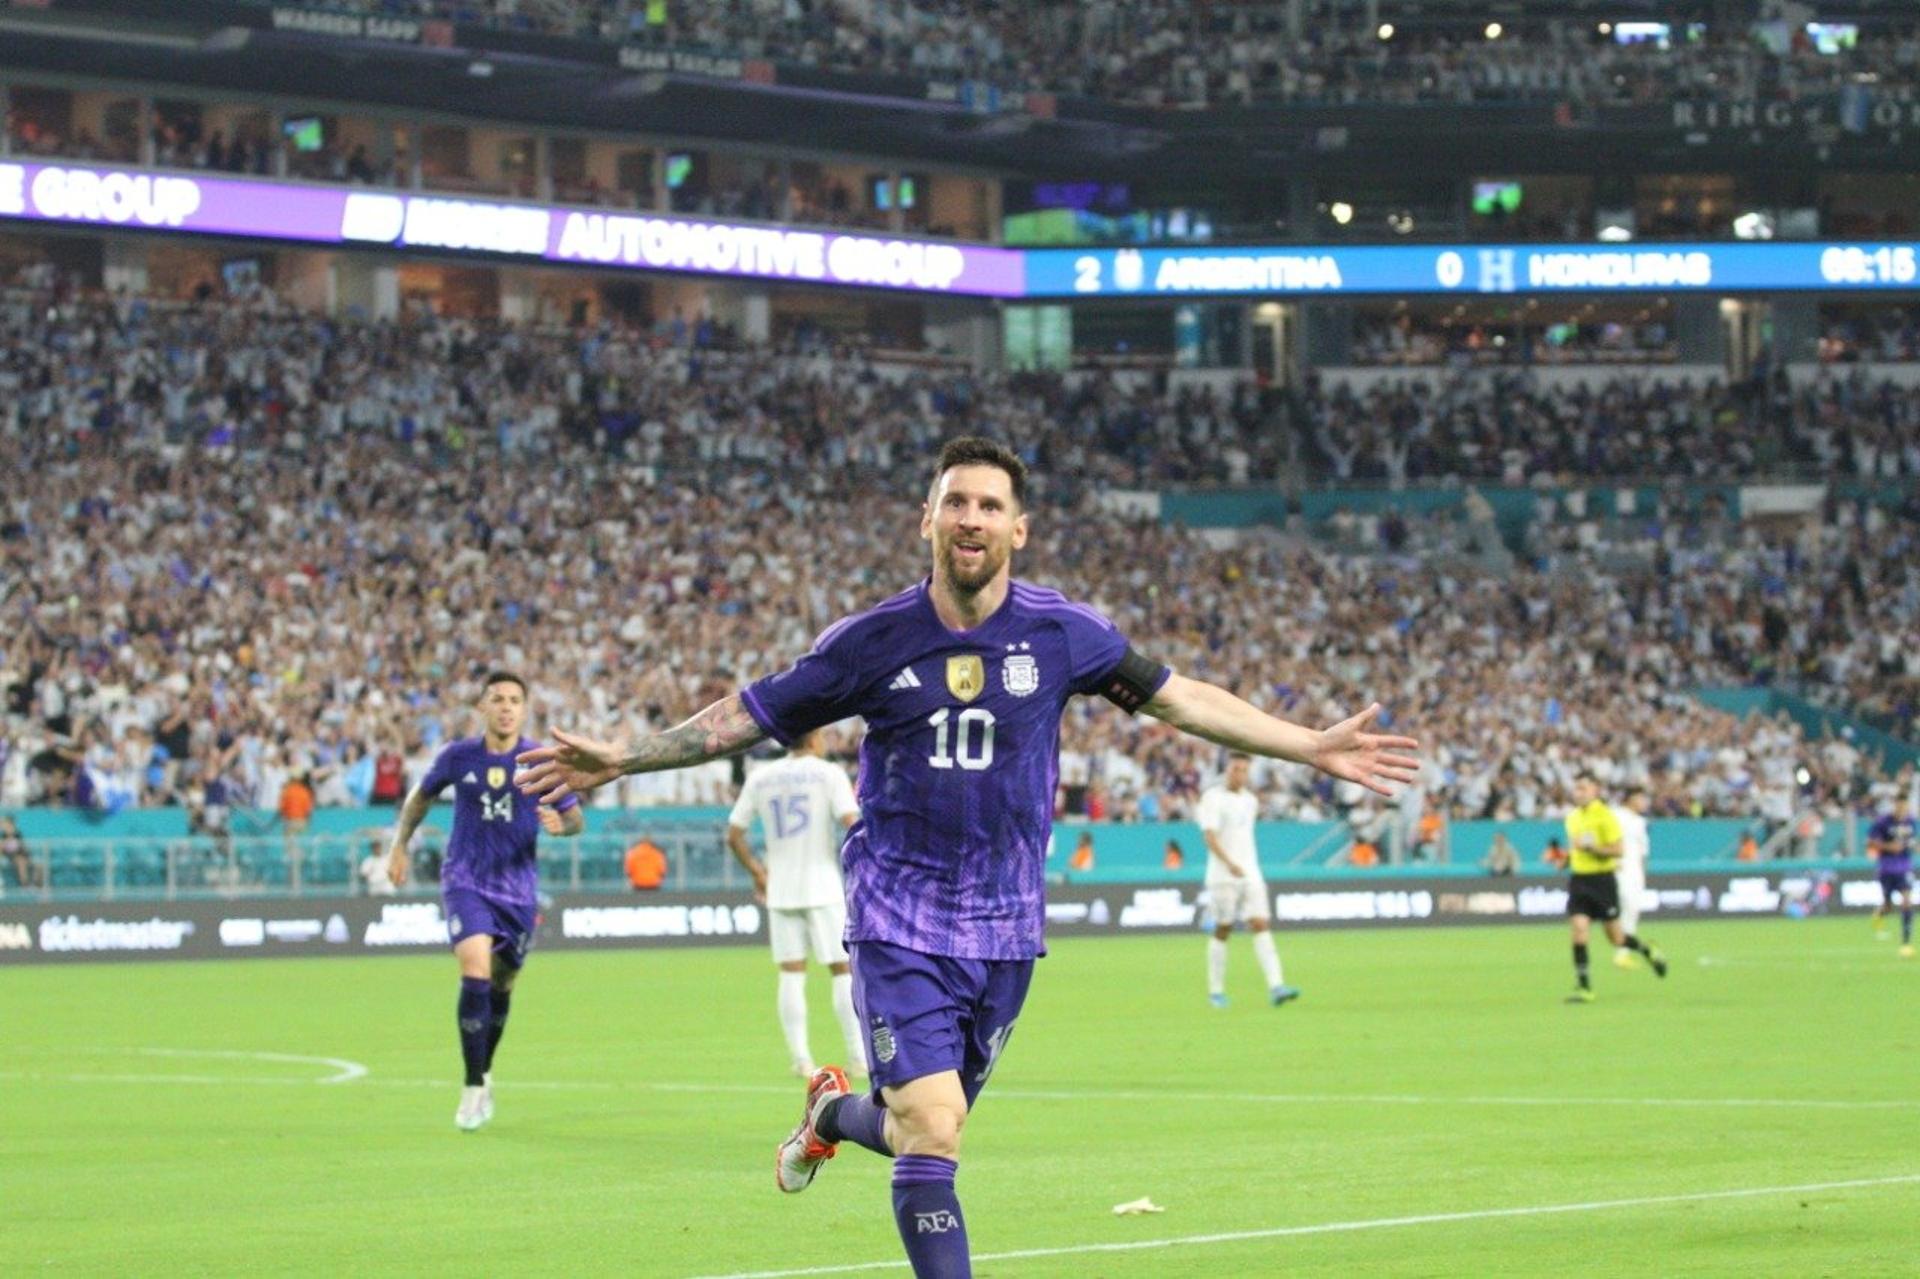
[470, 780]
[905, 679]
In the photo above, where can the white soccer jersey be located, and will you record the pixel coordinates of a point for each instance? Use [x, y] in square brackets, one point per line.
[801, 802]
[1634, 843]
[1229, 816]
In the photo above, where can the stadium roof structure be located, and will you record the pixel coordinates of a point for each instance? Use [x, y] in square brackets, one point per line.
[444, 71]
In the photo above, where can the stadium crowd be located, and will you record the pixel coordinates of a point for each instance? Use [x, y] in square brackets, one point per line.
[1167, 53]
[1506, 426]
[261, 544]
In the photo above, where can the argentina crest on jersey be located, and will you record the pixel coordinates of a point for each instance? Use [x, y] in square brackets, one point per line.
[1020, 674]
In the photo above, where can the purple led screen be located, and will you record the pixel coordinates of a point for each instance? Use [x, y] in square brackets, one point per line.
[136, 199]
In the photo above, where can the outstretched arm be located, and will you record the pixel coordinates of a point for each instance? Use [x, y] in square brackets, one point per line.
[1346, 750]
[412, 813]
[579, 764]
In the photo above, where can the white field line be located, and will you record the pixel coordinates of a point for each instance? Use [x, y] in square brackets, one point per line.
[345, 1072]
[1346, 1227]
[1886, 963]
[365, 1078]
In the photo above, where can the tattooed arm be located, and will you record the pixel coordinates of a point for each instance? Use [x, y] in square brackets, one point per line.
[579, 764]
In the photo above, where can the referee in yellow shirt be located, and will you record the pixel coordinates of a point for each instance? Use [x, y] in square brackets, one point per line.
[1595, 843]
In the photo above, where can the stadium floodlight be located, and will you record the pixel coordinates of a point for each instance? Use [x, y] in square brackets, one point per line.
[1386, 31]
[1495, 31]
[1340, 211]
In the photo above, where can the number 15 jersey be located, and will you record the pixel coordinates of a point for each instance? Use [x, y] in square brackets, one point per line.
[960, 762]
[801, 802]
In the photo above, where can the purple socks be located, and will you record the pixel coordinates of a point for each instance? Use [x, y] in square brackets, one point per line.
[927, 1211]
[476, 1027]
[859, 1119]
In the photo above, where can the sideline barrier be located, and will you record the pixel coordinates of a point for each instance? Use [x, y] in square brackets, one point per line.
[147, 854]
[256, 927]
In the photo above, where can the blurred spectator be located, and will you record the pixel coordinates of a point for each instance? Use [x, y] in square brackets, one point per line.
[376, 871]
[1502, 857]
[22, 870]
[646, 866]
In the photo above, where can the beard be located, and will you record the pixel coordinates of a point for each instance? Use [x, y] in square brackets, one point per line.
[970, 580]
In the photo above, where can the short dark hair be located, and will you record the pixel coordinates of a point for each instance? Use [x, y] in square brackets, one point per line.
[502, 677]
[973, 450]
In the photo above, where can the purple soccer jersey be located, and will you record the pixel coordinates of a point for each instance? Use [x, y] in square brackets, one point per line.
[495, 828]
[960, 762]
[1897, 831]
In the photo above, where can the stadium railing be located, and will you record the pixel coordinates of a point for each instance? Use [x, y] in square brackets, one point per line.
[147, 867]
[169, 868]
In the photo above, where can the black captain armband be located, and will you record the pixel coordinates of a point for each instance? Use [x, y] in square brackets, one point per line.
[1133, 683]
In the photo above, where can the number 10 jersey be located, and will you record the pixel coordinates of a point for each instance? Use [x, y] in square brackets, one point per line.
[960, 762]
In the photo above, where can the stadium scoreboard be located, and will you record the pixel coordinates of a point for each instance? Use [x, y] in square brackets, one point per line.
[308, 213]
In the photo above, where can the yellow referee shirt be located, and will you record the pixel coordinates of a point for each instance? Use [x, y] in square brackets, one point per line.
[1593, 825]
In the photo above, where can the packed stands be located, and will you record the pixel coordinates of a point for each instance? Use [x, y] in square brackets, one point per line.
[230, 503]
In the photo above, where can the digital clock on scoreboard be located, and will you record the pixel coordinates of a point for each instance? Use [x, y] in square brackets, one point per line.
[1852, 264]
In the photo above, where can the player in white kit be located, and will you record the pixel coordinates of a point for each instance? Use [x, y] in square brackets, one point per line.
[1631, 873]
[805, 806]
[1235, 885]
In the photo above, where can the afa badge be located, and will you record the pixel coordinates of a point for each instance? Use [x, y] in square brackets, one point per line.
[966, 676]
[1021, 674]
[496, 778]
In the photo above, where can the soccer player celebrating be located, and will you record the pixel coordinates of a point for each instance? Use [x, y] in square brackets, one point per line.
[1890, 839]
[805, 805]
[1595, 844]
[962, 681]
[1235, 885]
[1635, 845]
[489, 878]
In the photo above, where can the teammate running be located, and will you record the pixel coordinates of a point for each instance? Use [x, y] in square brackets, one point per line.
[1890, 840]
[489, 880]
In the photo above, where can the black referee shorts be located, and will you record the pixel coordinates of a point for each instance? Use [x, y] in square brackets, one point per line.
[1595, 896]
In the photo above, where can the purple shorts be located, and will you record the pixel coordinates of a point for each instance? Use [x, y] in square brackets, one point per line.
[1895, 882]
[928, 1013]
[510, 924]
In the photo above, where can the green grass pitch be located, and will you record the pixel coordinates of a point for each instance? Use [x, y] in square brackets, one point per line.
[166, 1119]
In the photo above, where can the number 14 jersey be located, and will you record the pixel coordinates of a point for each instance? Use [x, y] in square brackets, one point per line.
[960, 762]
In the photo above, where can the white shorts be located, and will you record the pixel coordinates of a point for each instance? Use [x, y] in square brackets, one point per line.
[1238, 901]
[813, 930]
